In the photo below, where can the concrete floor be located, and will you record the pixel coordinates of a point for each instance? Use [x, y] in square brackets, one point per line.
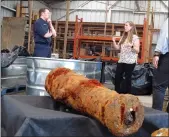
[146, 100]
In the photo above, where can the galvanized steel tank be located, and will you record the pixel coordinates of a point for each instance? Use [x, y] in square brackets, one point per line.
[15, 74]
[38, 68]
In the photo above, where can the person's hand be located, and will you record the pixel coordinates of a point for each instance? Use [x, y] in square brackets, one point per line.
[155, 61]
[49, 21]
[113, 39]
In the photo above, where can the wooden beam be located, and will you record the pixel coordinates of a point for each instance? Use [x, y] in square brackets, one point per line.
[154, 30]
[105, 25]
[97, 38]
[30, 5]
[112, 42]
[21, 8]
[66, 28]
[55, 39]
[147, 37]
[18, 10]
[150, 36]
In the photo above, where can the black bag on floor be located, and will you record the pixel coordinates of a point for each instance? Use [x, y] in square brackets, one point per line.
[22, 50]
[141, 78]
[7, 58]
[5, 51]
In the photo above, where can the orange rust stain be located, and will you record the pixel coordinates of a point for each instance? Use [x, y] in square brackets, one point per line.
[122, 112]
[56, 73]
[136, 109]
[91, 82]
[60, 71]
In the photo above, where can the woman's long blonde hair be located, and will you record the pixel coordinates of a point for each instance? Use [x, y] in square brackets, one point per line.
[128, 36]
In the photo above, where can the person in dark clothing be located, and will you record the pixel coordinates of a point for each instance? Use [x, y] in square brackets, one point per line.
[43, 31]
[161, 64]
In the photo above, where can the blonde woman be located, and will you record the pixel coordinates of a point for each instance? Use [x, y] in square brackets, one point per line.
[129, 46]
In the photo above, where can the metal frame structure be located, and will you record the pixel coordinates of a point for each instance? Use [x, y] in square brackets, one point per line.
[78, 37]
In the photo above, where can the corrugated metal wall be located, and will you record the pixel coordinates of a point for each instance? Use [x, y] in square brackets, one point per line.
[7, 13]
[121, 11]
[12, 4]
[36, 5]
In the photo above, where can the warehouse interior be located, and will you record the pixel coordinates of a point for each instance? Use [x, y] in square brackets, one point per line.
[47, 96]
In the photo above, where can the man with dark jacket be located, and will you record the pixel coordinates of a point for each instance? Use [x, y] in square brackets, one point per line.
[161, 63]
[43, 31]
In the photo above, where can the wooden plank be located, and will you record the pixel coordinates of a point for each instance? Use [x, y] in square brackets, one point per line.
[59, 32]
[150, 39]
[66, 27]
[18, 10]
[55, 40]
[98, 24]
[33, 15]
[30, 3]
[58, 47]
[23, 12]
[13, 32]
[150, 36]
[21, 8]
[105, 26]
[97, 38]
[154, 30]
[112, 42]
[147, 33]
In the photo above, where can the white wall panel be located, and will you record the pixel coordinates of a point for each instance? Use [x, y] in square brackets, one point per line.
[159, 19]
[165, 2]
[38, 5]
[123, 11]
[93, 5]
[125, 5]
[10, 4]
[73, 4]
[6, 13]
